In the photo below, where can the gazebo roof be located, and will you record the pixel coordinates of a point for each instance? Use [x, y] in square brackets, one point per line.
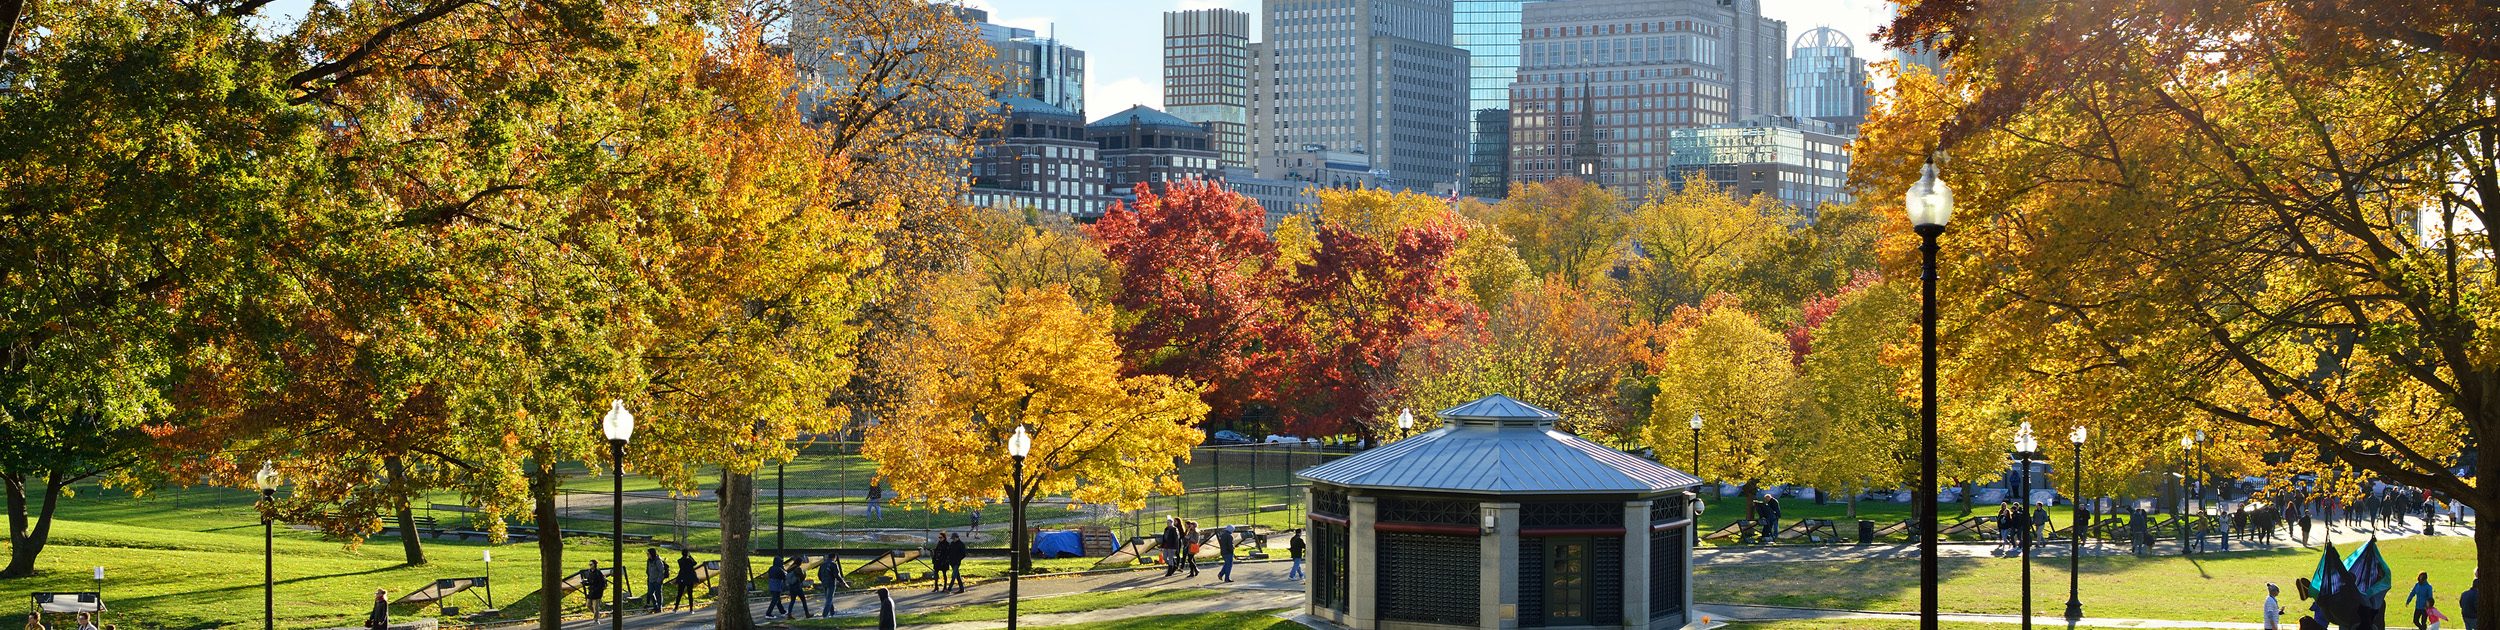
[1499, 445]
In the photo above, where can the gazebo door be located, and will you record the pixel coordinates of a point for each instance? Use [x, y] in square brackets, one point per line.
[1567, 580]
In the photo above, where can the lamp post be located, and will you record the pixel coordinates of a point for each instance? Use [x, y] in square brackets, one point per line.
[2187, 449]
[2074, 543]
[2026, 449]
[1018, 446]
[619, 427]
[1696, 422]
[1406, 422]
[1928, 204]
[267, 480]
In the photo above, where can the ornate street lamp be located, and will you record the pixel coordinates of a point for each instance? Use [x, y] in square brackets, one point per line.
[1018, 446]
[1929, 204]
[1406, 422]
[268, 480]
[2074, 542]
[619, 427]
[2187, 449]
[2026, 449]
[1696, 422]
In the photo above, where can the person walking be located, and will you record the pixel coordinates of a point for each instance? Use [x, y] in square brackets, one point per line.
[796, 581]
[1224, 545]
[1770, 518]
[773, 578]
[1189, 541]
[654, 579]
[829, 577]
[885, 609]
[594, 584]
[377, 619]
[955, 570]
[941, 557]
[1170, 545]
[2039, 524]
[686, 581]
[2467, 604]
[2274, 609]
[876, 501]
[34, 621]
[2421, 599]
[1295, 547]
[2140, 526]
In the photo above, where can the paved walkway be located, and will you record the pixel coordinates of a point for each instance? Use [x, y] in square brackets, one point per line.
[1719, 614]
[1263, 577]
[2343, 536]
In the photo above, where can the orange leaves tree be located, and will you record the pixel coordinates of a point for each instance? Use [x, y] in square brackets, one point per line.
[1044, 362]
[2255, 218]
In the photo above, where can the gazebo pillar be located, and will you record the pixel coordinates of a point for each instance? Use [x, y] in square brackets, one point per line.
[1636, 564]
[1499, 599]
[1362, 562]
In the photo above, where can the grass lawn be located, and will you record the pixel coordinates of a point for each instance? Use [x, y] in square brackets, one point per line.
[1863, 624]
[2211, 587]
[992, 612]
[1259, 620]
[159, 578]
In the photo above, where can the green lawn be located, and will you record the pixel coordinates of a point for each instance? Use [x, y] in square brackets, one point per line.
[1256, 620]
[158, 578]
[1046, 605]
[1861, 624]
[2211, 587]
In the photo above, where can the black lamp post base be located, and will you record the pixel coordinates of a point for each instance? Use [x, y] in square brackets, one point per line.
[2074, 612]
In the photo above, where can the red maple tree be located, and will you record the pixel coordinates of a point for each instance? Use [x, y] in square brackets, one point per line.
[1350, 309]
[1198, 281]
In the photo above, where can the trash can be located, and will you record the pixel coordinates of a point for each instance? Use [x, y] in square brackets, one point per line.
[1866, 531]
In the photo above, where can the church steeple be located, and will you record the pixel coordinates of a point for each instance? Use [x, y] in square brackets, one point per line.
[1585, 159]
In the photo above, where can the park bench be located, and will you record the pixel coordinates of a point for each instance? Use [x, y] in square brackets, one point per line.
[574, 582]
[1981, 526]
[1135, 551]
[1740, 530]
[438, 592]
[1895, 529]
[889, 562]
[1808, 529]
[69, 603]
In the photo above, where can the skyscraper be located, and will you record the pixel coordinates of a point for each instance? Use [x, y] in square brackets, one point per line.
[1622, 73]
[1489, 31]
[1375, 76]
[1826, 79]
[1042, 69]
[1206, 75]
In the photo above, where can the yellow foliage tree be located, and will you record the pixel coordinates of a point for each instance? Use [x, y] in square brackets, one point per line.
[1040, 361]
[1564, 227]
[1701, 241]
[1724, 365]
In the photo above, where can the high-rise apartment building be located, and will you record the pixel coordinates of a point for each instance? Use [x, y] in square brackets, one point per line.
[1375, 76]
[1206, 76]
[1042, 69]
[1628, 71]
[1038, 157]
[1826, 79]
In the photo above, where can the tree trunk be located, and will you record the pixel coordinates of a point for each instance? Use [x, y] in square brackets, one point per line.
[1966, 492]
[550, 545]
[2486, 536]
[24, 543]
[737, 525]
[409, 546]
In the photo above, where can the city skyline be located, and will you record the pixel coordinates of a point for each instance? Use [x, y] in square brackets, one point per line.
[1124, 38]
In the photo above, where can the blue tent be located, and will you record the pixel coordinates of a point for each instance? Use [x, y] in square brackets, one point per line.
[1058, 544]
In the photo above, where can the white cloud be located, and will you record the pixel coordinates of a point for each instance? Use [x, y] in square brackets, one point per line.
[1104, 99]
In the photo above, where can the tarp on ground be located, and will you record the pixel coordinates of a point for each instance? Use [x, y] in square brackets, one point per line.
[1058, 544]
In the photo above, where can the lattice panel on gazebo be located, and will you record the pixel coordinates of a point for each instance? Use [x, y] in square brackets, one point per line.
[1429, 578]
[1328, 503]
[1531, 582]
[1666, 572]
[1606, 573]
[1575, 514]
[1666, 508]
[1429, 512]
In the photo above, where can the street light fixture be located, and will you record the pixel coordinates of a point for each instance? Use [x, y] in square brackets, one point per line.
[1929, 205]
[1696, 422]
[268, 480]
[2074, 542]
[2026, 448]
[619, 427]
[2187, 449]
[1406, 422]
[1018, 446]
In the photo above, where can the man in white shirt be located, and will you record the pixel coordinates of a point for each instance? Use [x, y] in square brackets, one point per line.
[2274, 609]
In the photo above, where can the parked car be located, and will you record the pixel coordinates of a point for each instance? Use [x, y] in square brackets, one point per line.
[1228, 437]
[1281, 438]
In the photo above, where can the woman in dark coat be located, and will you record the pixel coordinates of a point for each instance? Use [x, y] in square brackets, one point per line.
[380, 618]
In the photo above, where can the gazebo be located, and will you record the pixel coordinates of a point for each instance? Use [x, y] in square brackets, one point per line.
[1552, 530]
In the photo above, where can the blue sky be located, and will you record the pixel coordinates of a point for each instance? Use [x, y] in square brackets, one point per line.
[1123, 39]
